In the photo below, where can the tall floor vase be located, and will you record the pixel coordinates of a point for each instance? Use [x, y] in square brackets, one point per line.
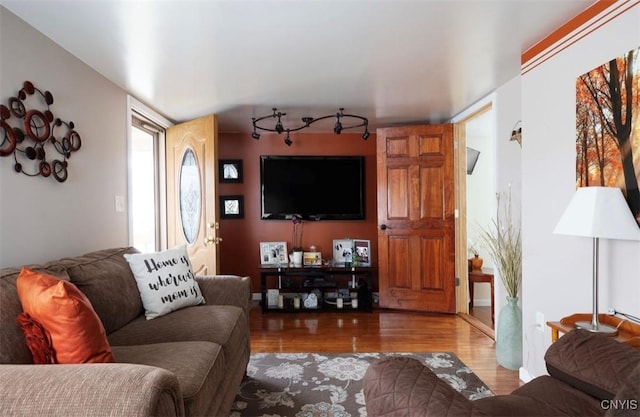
[509, 335]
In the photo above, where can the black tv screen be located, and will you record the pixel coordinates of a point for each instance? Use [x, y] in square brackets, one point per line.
[312, 187]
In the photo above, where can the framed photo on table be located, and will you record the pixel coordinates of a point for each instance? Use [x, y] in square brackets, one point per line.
[362, 249]
[231, 207]
[272, 253]
[230, 170]
[312, 258]
[342, 250]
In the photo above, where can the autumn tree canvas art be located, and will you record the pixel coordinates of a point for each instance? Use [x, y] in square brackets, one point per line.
[607, 127]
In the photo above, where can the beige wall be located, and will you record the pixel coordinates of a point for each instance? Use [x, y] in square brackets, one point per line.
[41, 219]
[557, 269]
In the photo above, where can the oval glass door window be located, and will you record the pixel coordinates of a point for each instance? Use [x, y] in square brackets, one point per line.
[190, 197]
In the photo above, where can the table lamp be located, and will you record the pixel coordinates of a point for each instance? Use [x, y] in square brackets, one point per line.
[598, 212]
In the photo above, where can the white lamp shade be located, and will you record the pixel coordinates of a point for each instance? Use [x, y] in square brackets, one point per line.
[600, 212]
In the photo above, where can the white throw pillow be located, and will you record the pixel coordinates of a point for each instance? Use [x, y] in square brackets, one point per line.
[165, 280]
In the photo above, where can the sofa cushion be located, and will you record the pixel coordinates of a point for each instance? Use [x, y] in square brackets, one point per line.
[221, 324]
[590, 362]
[517, 406]
[165, 280]
[627, 400]
[550, 393]
[199, 367]
[403, 386]
[104, 277]
[13, 345]
[77, 334]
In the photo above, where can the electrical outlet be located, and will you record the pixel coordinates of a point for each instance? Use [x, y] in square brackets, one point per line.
[540, 320]
[119, 204]
[611, 311]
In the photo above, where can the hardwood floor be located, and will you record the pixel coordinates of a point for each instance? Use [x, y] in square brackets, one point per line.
[382, 331]
[483, 314]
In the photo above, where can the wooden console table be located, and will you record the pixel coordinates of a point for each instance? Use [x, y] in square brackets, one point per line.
[480, 276]
[628, 332]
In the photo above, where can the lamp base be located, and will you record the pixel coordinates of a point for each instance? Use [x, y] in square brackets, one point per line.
[597, 328]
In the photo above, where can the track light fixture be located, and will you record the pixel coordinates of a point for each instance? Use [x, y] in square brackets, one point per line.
[287, 140]
[307, 122]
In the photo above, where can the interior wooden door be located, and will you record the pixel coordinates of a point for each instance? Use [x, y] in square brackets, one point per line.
[192, 215]
[416, 234]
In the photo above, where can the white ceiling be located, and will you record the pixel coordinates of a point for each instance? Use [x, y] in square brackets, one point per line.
[400, 61]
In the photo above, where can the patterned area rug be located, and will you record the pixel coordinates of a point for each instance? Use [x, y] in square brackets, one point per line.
[316, 384]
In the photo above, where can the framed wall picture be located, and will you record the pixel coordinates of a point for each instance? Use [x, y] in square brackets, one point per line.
[273, 253]
[362, 249]
[230, 170]
[342, 250]
[231, 207]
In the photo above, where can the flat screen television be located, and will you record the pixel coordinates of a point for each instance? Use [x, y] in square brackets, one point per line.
[312, 187]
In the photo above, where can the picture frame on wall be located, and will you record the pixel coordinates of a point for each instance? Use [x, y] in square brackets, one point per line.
[342, 250]
[231, 207]
[273, 253]
[230, 170]
[362, 249]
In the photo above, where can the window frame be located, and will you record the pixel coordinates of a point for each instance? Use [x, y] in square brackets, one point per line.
[149, 121]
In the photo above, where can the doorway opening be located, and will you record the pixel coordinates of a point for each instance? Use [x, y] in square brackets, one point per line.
[480, 194]
[476, 203]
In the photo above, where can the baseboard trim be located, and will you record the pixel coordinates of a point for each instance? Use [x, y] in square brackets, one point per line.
[524, 375]
[478, 324]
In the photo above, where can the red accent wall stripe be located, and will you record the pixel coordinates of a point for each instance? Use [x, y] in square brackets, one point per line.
[554, 43]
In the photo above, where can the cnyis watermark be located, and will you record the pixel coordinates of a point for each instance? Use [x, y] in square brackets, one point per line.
[619, 404]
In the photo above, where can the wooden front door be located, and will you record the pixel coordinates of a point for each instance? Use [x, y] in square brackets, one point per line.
[416, 230]
[192, 215]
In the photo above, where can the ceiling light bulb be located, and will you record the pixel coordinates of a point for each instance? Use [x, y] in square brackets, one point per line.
[365, 135]
[338, 128]
[288, 141]
[255, 135]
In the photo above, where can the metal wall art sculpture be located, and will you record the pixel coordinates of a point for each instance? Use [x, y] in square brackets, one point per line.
[40, 143]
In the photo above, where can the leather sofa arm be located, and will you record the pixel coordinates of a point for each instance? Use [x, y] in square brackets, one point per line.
[401, 386]
[89, 390]
[226, 290]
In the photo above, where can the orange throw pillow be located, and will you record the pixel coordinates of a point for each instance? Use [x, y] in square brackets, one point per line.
[38, 340]
[77, 334]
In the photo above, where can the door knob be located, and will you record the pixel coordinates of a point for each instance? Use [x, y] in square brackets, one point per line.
[209, 239]
[384, 227]
[218, 240]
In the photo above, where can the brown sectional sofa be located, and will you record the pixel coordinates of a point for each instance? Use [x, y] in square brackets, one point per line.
[188, 362]
[589, 375]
